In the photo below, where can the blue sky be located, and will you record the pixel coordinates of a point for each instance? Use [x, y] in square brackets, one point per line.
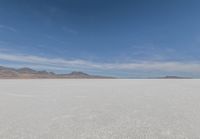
[132, 38]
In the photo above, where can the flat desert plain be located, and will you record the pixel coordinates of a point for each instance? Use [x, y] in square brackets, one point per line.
[100, 109]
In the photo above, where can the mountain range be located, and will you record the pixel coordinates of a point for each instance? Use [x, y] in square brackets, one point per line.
[28, 73]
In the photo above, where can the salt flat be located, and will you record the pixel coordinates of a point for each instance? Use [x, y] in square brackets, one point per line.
[100, 109]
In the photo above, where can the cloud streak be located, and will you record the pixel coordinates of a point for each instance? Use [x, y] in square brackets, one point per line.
[166, 66]
[8, 28]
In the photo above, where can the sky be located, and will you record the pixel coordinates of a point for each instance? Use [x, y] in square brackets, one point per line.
[122, 38]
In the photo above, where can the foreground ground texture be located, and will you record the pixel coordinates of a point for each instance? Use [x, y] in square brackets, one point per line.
[100, 109]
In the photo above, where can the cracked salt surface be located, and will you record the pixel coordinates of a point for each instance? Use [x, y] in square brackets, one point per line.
[99, 109]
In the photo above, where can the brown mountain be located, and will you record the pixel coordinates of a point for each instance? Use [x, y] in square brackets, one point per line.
[28, 73]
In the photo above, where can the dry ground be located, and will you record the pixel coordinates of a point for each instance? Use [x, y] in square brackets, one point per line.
[100, 109]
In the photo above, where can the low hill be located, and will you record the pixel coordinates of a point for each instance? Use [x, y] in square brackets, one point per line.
[28, 73]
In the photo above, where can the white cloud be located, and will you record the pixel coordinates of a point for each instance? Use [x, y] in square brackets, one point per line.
[168, 66]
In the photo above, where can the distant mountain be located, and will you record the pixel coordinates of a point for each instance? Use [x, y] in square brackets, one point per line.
[26, 70]
[28, 73]
[173, 77]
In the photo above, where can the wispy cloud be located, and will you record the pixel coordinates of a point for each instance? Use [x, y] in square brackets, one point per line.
[70, 30]
[168, 66]
[55, 39]
[3, 50]
[8, 28]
